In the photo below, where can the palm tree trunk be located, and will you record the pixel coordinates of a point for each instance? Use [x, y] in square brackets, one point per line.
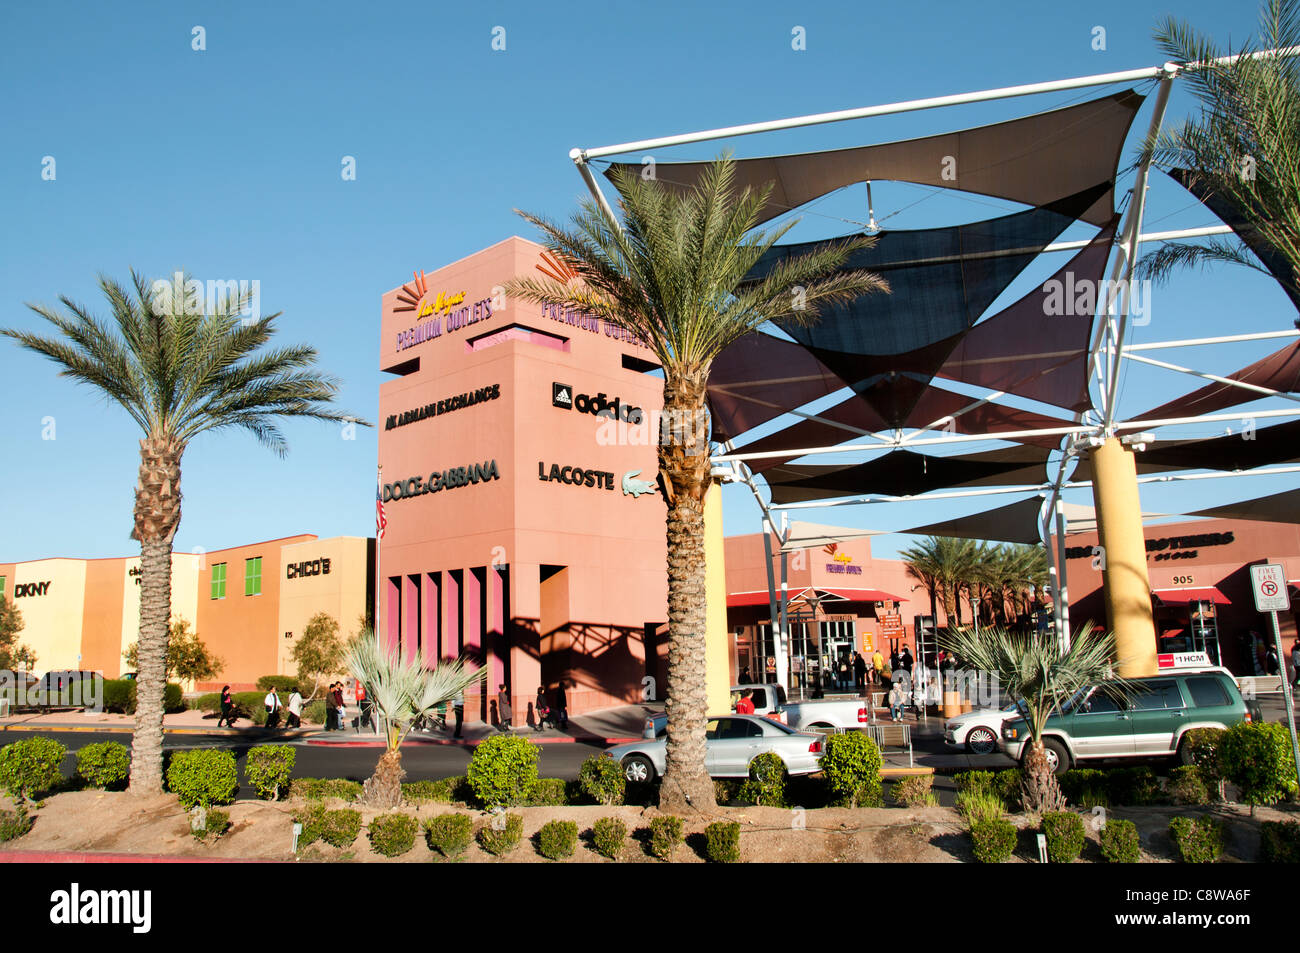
[1039, 788]
[157, 514]
[684, 465]
[384, 788]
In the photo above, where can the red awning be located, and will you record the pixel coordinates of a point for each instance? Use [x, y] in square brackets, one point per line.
[759, 597]
[1202, 593]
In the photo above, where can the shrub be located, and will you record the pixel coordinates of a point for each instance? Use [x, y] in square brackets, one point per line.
[267, 768]
[726, 790]
[1256, 757]
[978, 805]
[1187, 787]
[994, 840]
[1065, 837]
[1279, 842]
[314, 711]
[392, 834]
[547, 792]
[1007, 785]
[501, 835]
[284, 684]
[602, 780]
[14, 824]
[915, 791]
[722, 842]
[1120, 843]
[1133, 786]
[608, 836]
[215, 823]
[1203, 748]
[31, 767]
[203, 777]
[557, 839]
[665, 835]
[318, 789]
[973, 781]
[119, 695]
[1080, 784]
[1198, 840]
[766, 784]
[502, 770]
[851, 766]
[104, 765]
[340, 828]
[312, 819]
[449, 834]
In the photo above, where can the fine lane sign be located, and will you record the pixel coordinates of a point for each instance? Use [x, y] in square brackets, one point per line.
[1268, 582]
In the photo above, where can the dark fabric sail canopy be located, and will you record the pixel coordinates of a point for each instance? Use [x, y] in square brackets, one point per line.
[1035, 160]
[907, 473]
[1279, 443]
[1278, 371]
[1281, 507]
[760, 377]
[887, 347]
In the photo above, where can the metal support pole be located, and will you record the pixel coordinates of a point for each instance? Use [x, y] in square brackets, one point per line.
[780, 639]
[1286, 693]
[1062, 582]
[772, 599]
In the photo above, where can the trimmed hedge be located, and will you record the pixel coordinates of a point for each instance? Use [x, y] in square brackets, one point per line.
[443, 791]
[340, 828]
[392, 834]
[104, 765]
[215, 823]
[318, 789]
[1120, 843]
[557, 840]
[608, 835]
[916, 791]
[449, 834]
[1198, 840]
[1133, 786]
[285, 684]
[14, 824]
[1279, 842]
[766, 784]
[501, 834]
[119, 696]
[1065, 836]
[1257, 758]
[601, 779]
[1186, 786]
[267, 769]
[31, 767]
[665, 835]
[547, 792]
[851, 765]
[502, 770]
[994, 840]
[203, 777]
[722, 842]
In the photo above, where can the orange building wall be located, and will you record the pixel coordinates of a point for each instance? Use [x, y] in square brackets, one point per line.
[101, 624]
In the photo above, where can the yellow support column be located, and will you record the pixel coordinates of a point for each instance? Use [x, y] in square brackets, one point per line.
[1126, 587]
[717, 679]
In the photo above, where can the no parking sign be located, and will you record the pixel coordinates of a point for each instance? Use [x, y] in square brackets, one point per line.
[1269, 584]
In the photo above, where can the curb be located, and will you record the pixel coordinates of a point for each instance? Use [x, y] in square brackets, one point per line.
[467, 742]
[103, 857]
[128, 729]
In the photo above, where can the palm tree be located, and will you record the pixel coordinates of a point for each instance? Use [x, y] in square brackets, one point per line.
[948, 563]
[675, 273]
[1032, 670]
[403, 692]
[178, 373]
[1243, 147]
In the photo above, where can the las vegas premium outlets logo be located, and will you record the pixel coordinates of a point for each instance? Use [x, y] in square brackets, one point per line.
[446, 480]
[438, 408]
[436, 314]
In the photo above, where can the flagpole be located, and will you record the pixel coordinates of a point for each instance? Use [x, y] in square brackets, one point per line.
[379, 539]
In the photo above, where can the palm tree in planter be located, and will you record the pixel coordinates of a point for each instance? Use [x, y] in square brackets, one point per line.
[178, 372]
[403, 691]
[1032, 670]
[675, 275]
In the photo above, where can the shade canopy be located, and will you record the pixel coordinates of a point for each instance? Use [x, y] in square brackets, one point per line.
[1281, 507]
[1035, 160]
[1279, 371]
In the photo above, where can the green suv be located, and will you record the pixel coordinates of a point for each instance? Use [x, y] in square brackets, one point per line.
[1150, 723]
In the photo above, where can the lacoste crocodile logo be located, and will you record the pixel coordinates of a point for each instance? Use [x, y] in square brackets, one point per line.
[633, 487]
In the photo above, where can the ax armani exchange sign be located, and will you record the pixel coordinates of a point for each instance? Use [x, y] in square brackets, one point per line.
[448, 479]
[440, 407]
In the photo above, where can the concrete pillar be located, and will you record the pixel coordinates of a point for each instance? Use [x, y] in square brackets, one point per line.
[717, 678]
[1126, 587]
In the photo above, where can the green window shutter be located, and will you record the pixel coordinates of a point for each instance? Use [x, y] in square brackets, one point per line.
[253, 576]
[2, 587]
[219, 581]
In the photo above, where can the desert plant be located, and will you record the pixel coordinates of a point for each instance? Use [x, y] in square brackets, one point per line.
[316, 789]
[557, 840]
[340, 828]
[392, 834]
[850, 763]
[608, 835]
[1257, 758]
[14, 824]
[1065, 836]
[449, 834]
[31, 767]
[602, 780]
[215, 823]
[1279, 842]
[994, 840]
[502, 770]
[665, 835]
[1120, 843]
[915, 791]
[104, 765]
[312, 819]
[766, 784]
[203, 777]
[501, 834]
[979, 805]
[1198, 840]
[722, 842]
[267, 768]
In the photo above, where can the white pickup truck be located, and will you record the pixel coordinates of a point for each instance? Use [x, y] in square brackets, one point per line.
[770, 701]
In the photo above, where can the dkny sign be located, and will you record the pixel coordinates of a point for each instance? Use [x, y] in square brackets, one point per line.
[31, 589]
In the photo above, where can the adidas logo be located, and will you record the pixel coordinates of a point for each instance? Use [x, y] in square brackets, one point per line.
[562, 395]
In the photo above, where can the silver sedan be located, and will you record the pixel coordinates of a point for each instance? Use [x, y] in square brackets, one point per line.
[732, 743]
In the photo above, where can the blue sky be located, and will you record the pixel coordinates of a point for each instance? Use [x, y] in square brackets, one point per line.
[226, 163]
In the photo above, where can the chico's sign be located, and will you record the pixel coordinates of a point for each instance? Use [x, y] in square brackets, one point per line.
[308, 567]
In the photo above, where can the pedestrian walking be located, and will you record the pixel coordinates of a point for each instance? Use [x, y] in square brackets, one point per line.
[295, 709]
[228, 708]
[504, 713]
[541, 709]
[842, 672]
[1271, 663]
[273, 707]
[859, 671]
[458, 706]
[365, 705]
[340, 707]
[906, 659]
[877, 667]
[745, 705]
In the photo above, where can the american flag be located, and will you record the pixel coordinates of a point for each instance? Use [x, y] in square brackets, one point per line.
[381, 521]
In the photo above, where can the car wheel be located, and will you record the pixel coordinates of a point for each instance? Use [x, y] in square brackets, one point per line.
[820, 724]
[1184, 754]
[638, 769]
[981, 740]
[1058, 758]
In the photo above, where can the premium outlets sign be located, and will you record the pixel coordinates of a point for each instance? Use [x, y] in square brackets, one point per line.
[449, 479]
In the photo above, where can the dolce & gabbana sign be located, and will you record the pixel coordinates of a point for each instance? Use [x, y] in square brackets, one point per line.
[448, 479]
